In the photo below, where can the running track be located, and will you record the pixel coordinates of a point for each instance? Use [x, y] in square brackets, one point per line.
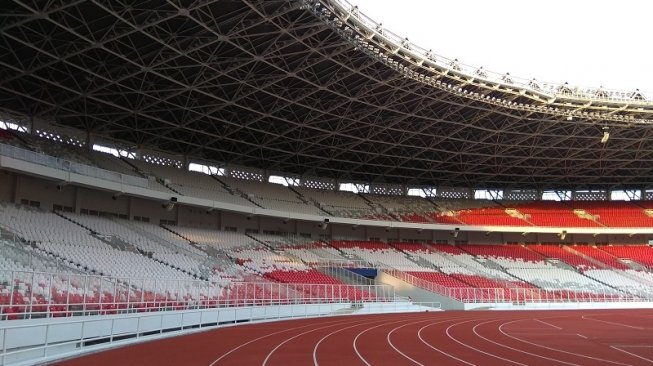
[484, 338]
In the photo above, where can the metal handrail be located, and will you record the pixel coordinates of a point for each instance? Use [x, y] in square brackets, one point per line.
[520, 295]
[71, 166]
[28, 294]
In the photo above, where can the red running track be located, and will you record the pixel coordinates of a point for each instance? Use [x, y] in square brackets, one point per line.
[483, 338]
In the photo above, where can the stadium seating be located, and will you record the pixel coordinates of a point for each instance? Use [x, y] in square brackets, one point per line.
[642, 254]
[564, 254]
[599, 255]
[252, 193]
[345, 204]
[502, 251]
[551, 213]
[489, 216]
[377, 253]
[615, 213]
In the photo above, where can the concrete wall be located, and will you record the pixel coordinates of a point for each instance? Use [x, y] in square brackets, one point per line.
[197, 217]
[103, 201]
[43, 191]
[7, 186]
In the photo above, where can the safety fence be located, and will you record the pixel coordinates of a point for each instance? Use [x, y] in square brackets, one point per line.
[518, 294]
[26, 295]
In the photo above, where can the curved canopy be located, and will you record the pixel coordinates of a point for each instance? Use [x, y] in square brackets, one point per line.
[304, 87]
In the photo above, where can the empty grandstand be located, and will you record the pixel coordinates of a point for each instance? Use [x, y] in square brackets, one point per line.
[166, 168]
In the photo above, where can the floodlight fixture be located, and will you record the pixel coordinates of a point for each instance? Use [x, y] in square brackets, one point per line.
[606, 134]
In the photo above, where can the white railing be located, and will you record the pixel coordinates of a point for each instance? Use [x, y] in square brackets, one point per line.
[43, 340]
[348, 11]
[26, 295]
[342, 263]
[522, 294]
[71, 166]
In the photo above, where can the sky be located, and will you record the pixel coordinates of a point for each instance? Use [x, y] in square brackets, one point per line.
[583, 42]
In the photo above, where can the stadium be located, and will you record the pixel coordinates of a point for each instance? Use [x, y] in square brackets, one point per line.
[288, 182]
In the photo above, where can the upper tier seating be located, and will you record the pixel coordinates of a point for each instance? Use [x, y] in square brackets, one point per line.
[406, 208]
[445, 218]
[345, 204]
[616, 213]
[552, 213]
[489, 216]
[176, 181]
[272, 196]
[189, 183]
[110, 162]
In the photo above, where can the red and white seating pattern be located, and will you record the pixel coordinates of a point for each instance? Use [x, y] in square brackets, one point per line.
[562, 253]
[307, 280]
[378, 253]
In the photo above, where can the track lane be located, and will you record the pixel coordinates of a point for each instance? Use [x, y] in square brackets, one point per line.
[483, 338]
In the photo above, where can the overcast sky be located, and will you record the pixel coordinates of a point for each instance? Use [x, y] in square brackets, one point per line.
[586, 43]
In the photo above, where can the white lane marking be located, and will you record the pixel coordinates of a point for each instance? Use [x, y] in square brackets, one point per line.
[475, 349]
[259, 338]
[549, 324]
[267, 358]
[363, 332]
[419, 335]
[516, 349]
[395, 348]
[317, 345]
[632, 354]
[556, 349]
[612, 323]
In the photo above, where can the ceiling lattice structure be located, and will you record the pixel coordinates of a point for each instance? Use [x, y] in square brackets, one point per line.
[298, 87]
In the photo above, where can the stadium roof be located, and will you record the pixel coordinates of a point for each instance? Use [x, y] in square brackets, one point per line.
[309, 88]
